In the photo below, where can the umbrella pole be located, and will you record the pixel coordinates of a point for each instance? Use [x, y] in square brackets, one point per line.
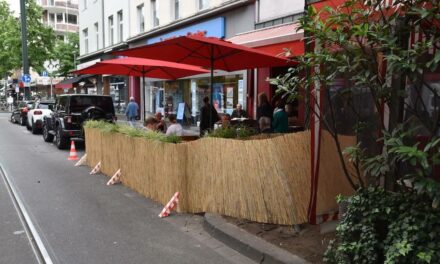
[212, 87]
[143, 93]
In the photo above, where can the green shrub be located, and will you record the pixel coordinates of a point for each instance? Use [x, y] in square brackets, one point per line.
[107, 127]
[224, 132]
[241, 132]
[385, 227]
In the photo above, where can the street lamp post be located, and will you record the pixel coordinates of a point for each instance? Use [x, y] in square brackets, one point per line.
[24, 48]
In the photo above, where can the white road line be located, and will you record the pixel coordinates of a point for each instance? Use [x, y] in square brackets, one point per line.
[38, 247]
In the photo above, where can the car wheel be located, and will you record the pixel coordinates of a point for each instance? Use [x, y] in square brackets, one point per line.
[34, 128]
[27, 125]
[46, 135]
[12, 119]
[60, 141]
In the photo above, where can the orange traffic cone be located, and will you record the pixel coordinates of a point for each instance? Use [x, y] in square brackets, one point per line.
[72, 155]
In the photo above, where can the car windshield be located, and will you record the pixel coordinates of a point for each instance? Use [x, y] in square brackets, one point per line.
[80, 103]
[45, 106]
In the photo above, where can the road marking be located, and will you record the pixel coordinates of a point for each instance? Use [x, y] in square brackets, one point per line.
[34, 238]
[19, 232]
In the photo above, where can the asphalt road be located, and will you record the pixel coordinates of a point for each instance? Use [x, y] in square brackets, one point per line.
[81, 220]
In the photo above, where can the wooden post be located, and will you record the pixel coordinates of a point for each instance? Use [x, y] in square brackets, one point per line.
[106, 86]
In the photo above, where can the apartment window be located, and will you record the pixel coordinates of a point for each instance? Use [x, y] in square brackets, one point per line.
[155, 13]
[140, 18]
[120, 26]
[203, 4]
[176, 9]
[60, 18]
[97, 35]
[86, 40]
[85, 4]
[72, 19]
[51, 19]
[110, 30]
[51, 2]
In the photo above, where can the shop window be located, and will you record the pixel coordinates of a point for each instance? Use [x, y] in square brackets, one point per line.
[351, 106]
[423, 103]
[228, 91]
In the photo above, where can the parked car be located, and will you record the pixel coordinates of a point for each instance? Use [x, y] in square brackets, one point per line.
[66, 121]
[19, 115]
[36, 115]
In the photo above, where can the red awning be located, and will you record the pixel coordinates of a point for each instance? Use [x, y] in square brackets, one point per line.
[274, 40]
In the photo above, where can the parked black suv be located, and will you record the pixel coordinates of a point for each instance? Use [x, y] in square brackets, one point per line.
[70, 113]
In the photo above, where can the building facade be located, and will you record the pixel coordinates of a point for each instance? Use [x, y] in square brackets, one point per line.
[61, 15]
[149, 21]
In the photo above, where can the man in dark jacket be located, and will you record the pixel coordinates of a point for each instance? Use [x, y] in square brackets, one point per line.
[208, 117]
[239, 112]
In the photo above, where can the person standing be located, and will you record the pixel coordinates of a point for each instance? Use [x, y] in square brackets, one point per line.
[132, 111]
[208, 117]
[280, 122]
[264, 108]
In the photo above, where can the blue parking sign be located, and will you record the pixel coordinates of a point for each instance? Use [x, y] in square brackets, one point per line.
[26, 78]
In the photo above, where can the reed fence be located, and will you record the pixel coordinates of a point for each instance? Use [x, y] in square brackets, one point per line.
[264, 180]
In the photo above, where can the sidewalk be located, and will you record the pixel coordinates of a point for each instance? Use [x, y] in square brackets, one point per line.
[247, 244]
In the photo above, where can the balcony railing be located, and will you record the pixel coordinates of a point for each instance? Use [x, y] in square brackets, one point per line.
[63, 4]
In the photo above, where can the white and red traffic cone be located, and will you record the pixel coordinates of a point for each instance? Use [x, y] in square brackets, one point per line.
[72, 155]
[170, 205]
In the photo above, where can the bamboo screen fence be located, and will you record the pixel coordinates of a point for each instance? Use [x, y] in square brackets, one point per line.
[264, 180]
[331, 179]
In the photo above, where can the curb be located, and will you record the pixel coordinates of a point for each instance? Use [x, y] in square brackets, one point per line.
[249, 245]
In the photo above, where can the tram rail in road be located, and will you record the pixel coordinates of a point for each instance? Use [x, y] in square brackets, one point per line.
[35, 241]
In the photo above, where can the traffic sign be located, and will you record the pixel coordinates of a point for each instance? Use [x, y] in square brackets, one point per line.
[26, 78]
[44, 74]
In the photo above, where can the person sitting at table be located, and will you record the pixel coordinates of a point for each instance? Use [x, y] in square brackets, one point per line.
[175, 128]
[160, 126]
[264, 124]
[150, 124]
[280, 123]
[239, 112]
[226, 120]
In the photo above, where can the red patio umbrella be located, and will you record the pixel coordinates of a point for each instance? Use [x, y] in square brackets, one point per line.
[142, 68]
[209, 52]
